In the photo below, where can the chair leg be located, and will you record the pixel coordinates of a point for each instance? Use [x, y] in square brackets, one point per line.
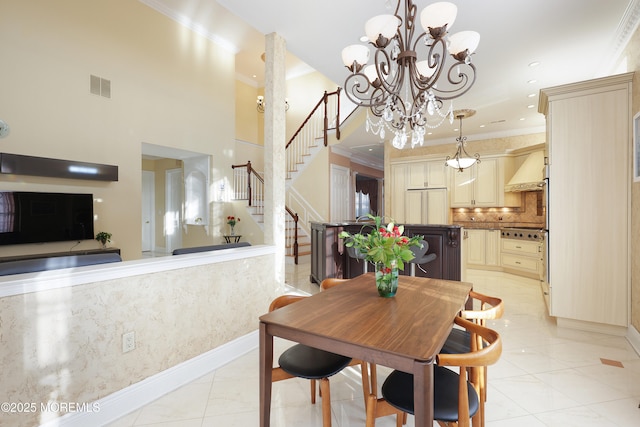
[325, 393]
[372, 402]
[365, 381]
[313, 391]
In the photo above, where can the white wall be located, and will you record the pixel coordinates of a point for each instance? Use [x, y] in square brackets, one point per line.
[169, 87]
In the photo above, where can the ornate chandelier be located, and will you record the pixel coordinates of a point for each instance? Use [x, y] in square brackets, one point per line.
[461, 159]
[403, 92]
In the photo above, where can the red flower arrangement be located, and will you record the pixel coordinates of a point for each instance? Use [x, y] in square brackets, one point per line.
[383, 244]
[231, 220]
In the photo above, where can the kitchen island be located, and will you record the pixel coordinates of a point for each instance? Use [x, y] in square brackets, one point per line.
[329, 257]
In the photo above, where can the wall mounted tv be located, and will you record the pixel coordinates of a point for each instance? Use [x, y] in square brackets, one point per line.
[30, 217]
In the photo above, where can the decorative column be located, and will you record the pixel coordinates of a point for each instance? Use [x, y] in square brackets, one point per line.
[274, 150]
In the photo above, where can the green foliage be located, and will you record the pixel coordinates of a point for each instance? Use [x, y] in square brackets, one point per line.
[382, 244]
[103, 237]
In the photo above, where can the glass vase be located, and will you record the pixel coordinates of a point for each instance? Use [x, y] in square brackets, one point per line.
[233, 229]
[387, 279]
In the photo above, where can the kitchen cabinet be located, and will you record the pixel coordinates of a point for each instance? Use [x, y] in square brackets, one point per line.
[413, 207]
[482, 248]
[428, 206]
[326, 251]
[522, 257]
[444, 241]
[396, 197]
[482, 185]
[589, 156]
[426, 174]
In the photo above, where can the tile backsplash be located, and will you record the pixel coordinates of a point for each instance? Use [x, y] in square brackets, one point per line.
[531, 213]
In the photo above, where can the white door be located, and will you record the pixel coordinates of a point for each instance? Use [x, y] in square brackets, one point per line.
[173, 209]
[341, 190]
[148, 208]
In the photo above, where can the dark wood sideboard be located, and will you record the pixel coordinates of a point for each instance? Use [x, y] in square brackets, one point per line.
[329, 257]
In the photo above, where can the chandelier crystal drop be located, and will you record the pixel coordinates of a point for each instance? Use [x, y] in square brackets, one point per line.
[406, 94]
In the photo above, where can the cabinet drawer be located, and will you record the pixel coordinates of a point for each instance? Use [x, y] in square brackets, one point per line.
[521, 246]
[520, 262]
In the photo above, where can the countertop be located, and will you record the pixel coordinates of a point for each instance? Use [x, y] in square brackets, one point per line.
[497, 225]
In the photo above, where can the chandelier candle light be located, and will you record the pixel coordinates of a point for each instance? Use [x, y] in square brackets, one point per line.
[401, 90]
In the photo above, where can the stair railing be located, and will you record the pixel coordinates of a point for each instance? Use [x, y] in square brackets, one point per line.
[315, 126]
[249, 185]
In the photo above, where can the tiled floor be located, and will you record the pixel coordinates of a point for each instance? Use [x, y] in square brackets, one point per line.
[545, 377]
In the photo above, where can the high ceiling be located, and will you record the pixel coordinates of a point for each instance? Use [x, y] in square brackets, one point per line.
[570, 40]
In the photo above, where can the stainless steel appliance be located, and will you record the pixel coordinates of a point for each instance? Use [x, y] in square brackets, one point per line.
[523, 233]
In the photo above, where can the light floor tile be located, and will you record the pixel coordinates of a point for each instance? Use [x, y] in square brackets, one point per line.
[545, 377]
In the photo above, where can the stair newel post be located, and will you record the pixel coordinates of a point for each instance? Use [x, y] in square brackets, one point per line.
[338, 115]
[295, 240]
[326, 119]
[249, 181]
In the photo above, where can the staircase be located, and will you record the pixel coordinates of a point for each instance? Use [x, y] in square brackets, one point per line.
[248, 184]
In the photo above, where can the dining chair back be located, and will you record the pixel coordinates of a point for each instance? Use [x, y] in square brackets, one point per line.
[456, 397]
[308, 362]
[330, 282]
[459, 341]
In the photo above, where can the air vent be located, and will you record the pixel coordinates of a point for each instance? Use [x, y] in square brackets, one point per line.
[100, 86]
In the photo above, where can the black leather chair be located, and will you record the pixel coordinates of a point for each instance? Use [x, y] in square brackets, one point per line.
[455, 401]
[420, 256]
[302, 361]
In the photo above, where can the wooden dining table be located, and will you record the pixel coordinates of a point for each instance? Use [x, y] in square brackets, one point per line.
[404, 332]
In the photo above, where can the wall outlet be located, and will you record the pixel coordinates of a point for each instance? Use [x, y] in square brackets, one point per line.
[128, 341]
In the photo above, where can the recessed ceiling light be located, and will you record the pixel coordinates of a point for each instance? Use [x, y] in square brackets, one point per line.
[522, 119]
[532, 81]
[370, 149]
[530, 106]
[534, 64]
[531, 95]
[482, 126]
[364, 39]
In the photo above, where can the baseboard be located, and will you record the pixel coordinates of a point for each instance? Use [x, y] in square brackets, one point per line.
[601, 328]
[633, 336]
[142, 393]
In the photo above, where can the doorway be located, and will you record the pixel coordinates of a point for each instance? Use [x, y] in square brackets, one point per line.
[340, 194]
[173, 209]
[148, 209]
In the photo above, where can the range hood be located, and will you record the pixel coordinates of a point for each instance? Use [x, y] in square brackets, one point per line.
[529, 177]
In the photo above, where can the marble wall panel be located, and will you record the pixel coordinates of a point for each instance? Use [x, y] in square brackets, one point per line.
[65, 345]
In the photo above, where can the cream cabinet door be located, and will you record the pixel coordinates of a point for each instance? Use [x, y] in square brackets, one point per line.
[437, 206]
[417, 175]
[485, 185]
[436, 174]
[462, 188]
[492, 247]
[397, 197]
[475, 247]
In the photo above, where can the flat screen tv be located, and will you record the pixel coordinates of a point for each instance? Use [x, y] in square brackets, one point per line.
[30, 217]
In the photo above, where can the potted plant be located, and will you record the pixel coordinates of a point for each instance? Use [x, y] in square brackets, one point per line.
[231, 220]
[103, 237]
[386, 247]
